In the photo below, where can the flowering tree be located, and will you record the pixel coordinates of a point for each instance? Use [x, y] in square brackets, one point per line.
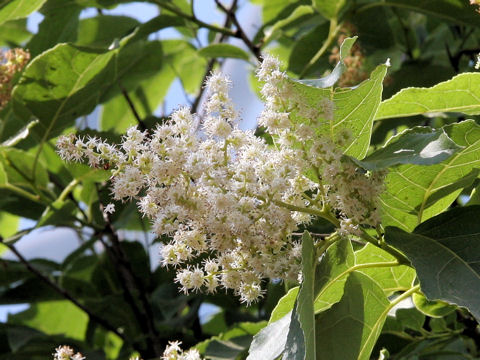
[343, 227]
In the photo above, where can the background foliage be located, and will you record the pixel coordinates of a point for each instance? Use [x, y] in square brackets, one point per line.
[109, 302]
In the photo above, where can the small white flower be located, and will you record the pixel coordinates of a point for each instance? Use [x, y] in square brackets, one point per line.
[109, 209]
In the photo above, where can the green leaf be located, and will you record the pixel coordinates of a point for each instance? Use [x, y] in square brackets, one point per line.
[285, 305]
[59, 25]
[298, 14]
[459, 94]
[58, 213]
[54, 317]
[391, 278]
[456, 11]
[340, 67]
[419, 145]
[329, 8]
[443, 250]
[159, 22]
[8, 224]
[269, 343]
[415, 193]
[350, 328]
[353, 110]
[432, 308]
[3, 175]
[232, 343]
[19, 136]
[17, 9]
[62, 84]
[410, 318]
[223, 51]
[301, 336]
[116, 114]
[13, 33]
[331, 274]
[101, 31]
[19, 167]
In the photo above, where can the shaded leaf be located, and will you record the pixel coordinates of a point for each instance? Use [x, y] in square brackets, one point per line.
[350, 328]
[331, 274]
[297, 15]
[58, 26]
[419, 145]
[223, 51]
[116, 114]
[329, 8]
[443, 250]
[456, 11]
[22, 134]
[159, 22]
[100, 31]
[392, 278]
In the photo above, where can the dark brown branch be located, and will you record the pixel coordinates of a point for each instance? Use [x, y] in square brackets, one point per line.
[240, 33]
[132, 285]
[104, 323]
[212, 62]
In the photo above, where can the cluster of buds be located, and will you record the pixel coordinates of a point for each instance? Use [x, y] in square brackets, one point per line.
[173, 351]
[67, 353]
[11, 62]
[230, 202]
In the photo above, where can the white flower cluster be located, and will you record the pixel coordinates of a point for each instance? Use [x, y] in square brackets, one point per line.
[173, 351]
[67, 353]
[226, 196]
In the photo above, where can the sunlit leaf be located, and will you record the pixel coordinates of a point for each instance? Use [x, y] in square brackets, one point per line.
[460, 94]
[411, 189]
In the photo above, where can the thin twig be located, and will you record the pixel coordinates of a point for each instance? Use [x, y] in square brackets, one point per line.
[141, 124]
[240, 33]
[66, 294]
[212, 62]
[178, 12]
[132, 284]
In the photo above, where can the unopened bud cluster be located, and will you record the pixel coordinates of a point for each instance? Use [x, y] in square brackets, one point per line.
[11, 62]
[226, 196]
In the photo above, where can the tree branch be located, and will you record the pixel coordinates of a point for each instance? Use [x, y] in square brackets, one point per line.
[170, 7]
[212, 62]
[240, 33]
[104, 323]
[132, 285]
